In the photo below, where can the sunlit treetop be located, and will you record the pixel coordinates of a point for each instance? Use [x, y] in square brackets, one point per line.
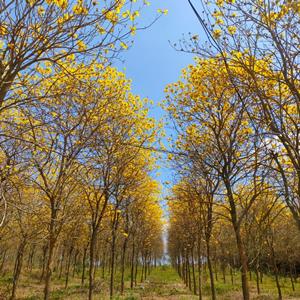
[204, 103]
[33, 32]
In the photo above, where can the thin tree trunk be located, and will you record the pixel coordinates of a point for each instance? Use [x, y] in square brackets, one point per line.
[18, 268]
[143, 266]
[244, 265]
[189, 272]
[292, 280]
[199, 268]
[276, 273]
[92, 262]
[231, 275]
[179, 265]
[30, 258]
[132, 265]
[136, 268]
[185, 272]
[210, 268]
[96, 265]
[224, 272]
[242, 253]
[216, 270]
[61, 263]
[123, 264]
[103, 265]
[112, 266]
[44, 260]
[68, 267]
[75, 263]
[257, 280]
[193, 272]
[83, 266]
[49, 266]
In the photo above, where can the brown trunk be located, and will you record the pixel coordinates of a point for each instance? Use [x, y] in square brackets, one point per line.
[210, 270]
[112, 265]
[149, 265]
[83, 266]
[242, 253]
[231, 275]
[92, 262]
[49, 266]
[146, 266]
[30, 258]
[276, 272]
[189, 272]
[257, 280]
[44, 261]
[143, 266]
[61, 263]
[96, 265]
[193, 272]
[292, 280]
[18, 268]
[68, 267]
[179, 266]
[183, 270]
[224, 272]
[75, 263]
[123, 264]
[244, 264]
[199, 268]
[132, 265]
[103, 264]
[136, 268]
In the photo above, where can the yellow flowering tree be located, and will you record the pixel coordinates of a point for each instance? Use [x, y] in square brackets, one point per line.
[215, 129]
[260, 41]
[34, 32]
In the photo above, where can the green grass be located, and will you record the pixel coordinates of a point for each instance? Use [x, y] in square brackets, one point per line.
[268, 287]
[162, 283]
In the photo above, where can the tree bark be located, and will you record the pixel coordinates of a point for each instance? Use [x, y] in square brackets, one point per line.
[92, 262]
[132, 265]
[257, 280]
[276, 272]
[210, 269]
[18, 268]
[123, 264]
[68, 267]
[61, 263]
[75, 263]
[242, 253]
[51, 247]
[244, 265]
[199, 268]
[193, 272]
[112, 263]
[44, 261]
[83, 266]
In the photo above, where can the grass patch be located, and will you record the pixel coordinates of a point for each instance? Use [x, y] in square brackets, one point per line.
[162, 282]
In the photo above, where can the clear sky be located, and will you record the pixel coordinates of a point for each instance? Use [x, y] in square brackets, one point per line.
[151, 62]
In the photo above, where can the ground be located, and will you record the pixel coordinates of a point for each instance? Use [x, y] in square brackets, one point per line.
[162, 283]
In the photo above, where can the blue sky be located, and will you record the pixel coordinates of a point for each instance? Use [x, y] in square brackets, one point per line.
[151, 62]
